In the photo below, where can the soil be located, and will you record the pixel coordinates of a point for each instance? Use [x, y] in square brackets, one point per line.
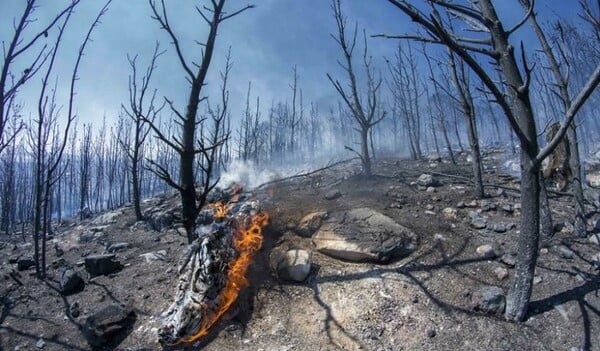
[421, 302]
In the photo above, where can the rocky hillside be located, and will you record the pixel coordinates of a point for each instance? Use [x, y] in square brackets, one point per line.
[407, 260]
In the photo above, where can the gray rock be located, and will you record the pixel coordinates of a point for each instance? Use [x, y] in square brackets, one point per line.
[295, 265]
[565, 252]
[160, 255]
[101, 264]
[310, 223]
[333, 194]
[107, 218]
[160, 220]
[450, 213]
[108, 325]
[508, 208]
[488, 299]
[486, 251]
[594, 239]
[537, 279]
[594, 226]
[427, 180]
[434, 157]
[74, 310]
[70, 282]
[24, 264]
[40, 344]
[487, 205]
[116, 247]
[461, 204]
[478, 222]
[501, 273]
[596, 260]
[508, 260]
[499, 228]
[363, 234]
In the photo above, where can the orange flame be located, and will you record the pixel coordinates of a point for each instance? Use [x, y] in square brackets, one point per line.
[221, 210]
[247, 242]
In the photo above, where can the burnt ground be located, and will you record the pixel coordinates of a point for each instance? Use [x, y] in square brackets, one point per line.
[421, 302]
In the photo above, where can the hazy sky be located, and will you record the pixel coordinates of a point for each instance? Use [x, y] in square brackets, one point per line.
[266, 42]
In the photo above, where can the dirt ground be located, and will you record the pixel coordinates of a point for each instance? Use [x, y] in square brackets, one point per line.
[421, 302]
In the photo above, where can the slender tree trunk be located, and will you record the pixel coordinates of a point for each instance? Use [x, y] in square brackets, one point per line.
[364, 148]
[546, 223]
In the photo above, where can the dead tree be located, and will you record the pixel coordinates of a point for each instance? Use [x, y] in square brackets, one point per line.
[186, 145]
[141, 108]
[465, 98]
[364, 113]
[561, 82]
[25, 46]
[493, 43]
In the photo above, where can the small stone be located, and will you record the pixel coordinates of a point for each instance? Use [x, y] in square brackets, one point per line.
[450, 213]
[74, 310]
[508, 260]
[427, 180]
[487, 206]
[596, 260]
[499, 228]
[501, 273]
[472, 204]
[160, 255]
[478, 223]
[40, 344]
[486, 251]
[430, 189]
[488, 299]
[116, 247]
[333, 194]
[508, 208]
[430, 213]
[537, 279]
[429, 207]
[461, 204]
[431, 332]
[565, 252]
[543, 251]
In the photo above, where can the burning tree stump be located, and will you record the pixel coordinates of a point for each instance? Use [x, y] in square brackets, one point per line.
[213, 270]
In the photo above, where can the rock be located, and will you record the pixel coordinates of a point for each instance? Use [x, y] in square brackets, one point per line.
[430, 332]
[106, 218]
[501, 273]
[310, 223]
[70, 282]
[565, 252]
[489, 299]
[74, 310]
[24, 264]
[477, 222]
[434, 157]
[160, 255]
[116, 247]
[332, 194]
[363, 234]
[429, 207]
[537, 279]
[160, 220]
[594, 239]
[40, 344]
[450, 213]
[486, 251]
[508, 208]
[427, 180]
[594, 226]
[564, 227]
[295, 265]
[499, 228]
[487, 206]
[461, 204]
[596, 260]
[108, 325]
[101, 264]
[471, 204]
[594, 180]
[508, 260]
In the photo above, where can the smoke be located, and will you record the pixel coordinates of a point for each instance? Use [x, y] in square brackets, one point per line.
[248, 174]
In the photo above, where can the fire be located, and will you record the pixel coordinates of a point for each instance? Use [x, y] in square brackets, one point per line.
[221, 210]
[247, 241]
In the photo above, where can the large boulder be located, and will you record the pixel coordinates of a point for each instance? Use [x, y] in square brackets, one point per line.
[101, 264]
[364, 235]
[109, 325]
[70, 282]
[161, 220]
[294, 265]
[427, 180]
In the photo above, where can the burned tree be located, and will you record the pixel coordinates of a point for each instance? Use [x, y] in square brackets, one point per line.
[493, 43]
[186, 145]
[365, 113]
[139, 111]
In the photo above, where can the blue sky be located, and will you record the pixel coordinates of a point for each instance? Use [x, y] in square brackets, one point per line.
[266, 42]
